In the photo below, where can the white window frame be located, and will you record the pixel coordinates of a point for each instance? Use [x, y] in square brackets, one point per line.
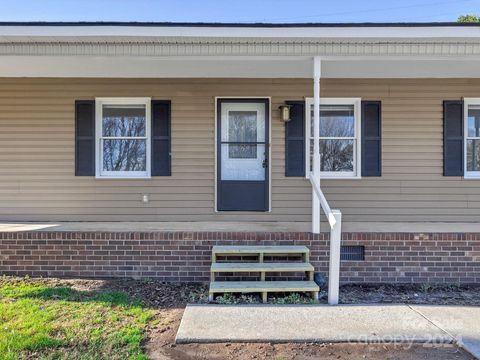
[357, 151]
[99, 102]
[466, 103]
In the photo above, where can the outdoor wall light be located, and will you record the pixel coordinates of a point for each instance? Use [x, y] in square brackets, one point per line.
[285, 112]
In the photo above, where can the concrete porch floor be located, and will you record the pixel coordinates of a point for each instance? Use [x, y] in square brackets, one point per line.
[224, 226]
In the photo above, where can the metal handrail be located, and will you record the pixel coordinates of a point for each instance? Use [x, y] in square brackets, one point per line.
[323, 201]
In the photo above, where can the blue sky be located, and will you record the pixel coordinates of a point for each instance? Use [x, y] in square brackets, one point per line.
[237, 11]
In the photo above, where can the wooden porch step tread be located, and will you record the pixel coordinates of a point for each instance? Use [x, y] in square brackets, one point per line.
[260, 267]
[226, 249]
[262, 286]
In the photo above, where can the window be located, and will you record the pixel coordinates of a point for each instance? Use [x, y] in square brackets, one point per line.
[472, 138]
[123, 137]
[339, 137]
[242, 127]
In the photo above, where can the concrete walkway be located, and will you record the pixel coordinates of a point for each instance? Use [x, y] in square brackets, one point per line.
[321, 323]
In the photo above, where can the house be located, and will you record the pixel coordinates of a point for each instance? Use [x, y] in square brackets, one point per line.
[129, 149]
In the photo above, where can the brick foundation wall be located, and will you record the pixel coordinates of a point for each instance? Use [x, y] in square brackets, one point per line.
[185, 256]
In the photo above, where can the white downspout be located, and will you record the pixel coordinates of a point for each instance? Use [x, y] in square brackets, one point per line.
[317, 69]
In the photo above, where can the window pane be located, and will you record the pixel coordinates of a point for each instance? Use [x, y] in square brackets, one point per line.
[124, 155]
[242, 126]
[336, 155]
[473, 155]
[248, 166]
[123, 121]
[474, 121]
[336, 121]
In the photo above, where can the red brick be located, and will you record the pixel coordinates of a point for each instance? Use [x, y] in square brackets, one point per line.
[185, 256]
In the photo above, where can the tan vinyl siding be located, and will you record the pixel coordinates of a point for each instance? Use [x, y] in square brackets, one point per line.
[37, 179]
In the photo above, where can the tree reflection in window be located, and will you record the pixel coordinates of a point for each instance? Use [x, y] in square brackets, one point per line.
[337, 138]
[124, 142]
[336, 155]
[242, 129]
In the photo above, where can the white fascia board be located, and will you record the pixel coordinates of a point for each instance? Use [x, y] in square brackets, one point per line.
[204, 33]
[151, 67]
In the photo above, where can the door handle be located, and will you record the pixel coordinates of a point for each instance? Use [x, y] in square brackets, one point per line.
[265, 163]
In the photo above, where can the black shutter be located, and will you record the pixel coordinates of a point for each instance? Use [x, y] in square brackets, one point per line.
[453, 138]
[371, 138]
[295, 140]
[85, 138]
[161, 144]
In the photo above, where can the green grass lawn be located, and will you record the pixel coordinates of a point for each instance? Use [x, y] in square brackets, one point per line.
[41, 322]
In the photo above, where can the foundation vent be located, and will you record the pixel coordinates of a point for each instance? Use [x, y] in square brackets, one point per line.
[352, 253]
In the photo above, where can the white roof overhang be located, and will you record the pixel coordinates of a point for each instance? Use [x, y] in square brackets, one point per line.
[235, 32]
[132, 50]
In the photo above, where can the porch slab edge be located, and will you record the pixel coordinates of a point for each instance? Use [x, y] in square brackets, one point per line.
[236, 227]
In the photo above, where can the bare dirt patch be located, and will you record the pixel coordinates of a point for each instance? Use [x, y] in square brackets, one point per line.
[428, 294]
[157, 294]
[309, 352]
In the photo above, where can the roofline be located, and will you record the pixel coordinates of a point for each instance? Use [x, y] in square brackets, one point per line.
[236, 25]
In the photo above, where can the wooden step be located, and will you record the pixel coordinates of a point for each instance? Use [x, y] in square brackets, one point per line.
[236, 250]
[261, 267]
[262, 286]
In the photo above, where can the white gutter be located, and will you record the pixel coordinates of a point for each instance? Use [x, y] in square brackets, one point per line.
[82, 33]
